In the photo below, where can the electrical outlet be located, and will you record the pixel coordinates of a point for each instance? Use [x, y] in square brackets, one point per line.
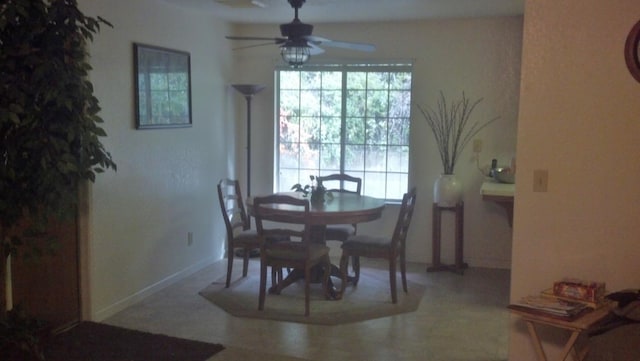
[477, 145]
[540, 180]
[189, 238]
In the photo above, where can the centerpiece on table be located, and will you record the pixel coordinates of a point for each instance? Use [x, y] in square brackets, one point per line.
[451, 126]
[316, 189]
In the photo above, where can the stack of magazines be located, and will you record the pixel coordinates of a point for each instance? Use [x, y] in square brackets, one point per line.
[546, 306]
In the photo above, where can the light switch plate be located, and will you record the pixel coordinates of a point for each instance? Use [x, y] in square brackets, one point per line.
[540, 180]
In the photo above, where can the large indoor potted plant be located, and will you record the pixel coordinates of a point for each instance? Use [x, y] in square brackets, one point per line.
[452, 128]
[49, 124]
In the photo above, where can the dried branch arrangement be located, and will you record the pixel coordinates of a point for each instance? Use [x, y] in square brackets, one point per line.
[451, 126]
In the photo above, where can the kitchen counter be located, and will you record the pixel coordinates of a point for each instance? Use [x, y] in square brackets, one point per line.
[500, 193]
[492, 188]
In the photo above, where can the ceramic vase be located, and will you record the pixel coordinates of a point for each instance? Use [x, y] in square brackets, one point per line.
[447, 190]
[317, 197]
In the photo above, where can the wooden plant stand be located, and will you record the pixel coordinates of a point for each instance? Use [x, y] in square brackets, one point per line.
[459, 265]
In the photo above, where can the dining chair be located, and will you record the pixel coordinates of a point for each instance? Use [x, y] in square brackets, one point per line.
[236, 220]
[341, 183]
[299, 253]
[391, 249]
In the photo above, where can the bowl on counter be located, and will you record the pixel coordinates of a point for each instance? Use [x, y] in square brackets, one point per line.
[503, 175]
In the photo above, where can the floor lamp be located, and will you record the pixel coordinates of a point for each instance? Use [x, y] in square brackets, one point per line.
[248, 90]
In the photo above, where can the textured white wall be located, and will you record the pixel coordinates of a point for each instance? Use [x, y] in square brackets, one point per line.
[165, 183]
[580, 120]
[478, 56]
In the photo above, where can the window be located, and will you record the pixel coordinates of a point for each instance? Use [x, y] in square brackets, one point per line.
[351, 119]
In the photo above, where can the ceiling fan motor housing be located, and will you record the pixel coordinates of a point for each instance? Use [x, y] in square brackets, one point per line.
[296, 29]
[296, 4]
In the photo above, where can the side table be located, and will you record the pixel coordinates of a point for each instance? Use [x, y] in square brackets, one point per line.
[459, 265]
[576, 327]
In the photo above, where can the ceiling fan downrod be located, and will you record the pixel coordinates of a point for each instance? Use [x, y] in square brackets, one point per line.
[296, 4]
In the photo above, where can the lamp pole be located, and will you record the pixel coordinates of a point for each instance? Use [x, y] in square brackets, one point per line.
[248, 90]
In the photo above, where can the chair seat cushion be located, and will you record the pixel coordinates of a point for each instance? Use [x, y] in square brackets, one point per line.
[339, 232]
[246, 237]
[364, 242]
[297, 253]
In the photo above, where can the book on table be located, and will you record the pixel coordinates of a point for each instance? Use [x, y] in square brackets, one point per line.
[548, 293]
[550, 307]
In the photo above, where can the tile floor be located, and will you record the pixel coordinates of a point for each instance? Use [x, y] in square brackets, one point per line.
[460, 318]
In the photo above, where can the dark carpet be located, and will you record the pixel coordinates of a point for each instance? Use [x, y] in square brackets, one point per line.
[91, 341]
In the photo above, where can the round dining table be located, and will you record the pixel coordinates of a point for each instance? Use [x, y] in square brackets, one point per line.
[337, 208]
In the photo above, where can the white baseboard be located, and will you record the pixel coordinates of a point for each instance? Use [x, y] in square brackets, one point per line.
[111, 310]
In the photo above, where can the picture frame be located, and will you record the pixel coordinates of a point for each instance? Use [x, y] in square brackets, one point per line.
[162, 87]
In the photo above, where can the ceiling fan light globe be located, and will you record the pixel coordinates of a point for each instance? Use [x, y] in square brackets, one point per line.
[295, 55]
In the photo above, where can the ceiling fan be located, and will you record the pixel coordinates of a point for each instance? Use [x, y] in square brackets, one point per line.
[297, 44]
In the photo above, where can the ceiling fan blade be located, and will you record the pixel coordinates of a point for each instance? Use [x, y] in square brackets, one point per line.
[316, 40]
[315, 50]
[252, 46]
[257, 38]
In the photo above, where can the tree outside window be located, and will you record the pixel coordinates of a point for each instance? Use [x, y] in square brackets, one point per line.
[345, 119]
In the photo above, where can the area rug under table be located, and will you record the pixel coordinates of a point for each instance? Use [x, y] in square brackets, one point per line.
[101, 342]
[369, 300]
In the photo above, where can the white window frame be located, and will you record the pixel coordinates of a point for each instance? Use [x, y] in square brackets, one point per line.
[400, 176]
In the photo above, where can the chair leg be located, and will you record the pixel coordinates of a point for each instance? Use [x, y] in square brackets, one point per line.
[274, 280]
[356, 268]
[229, 265]
[392, 279]
[403, 271]
[344, 268]
[326, 275]
[245, 261]
[307, 289]
[263, 284]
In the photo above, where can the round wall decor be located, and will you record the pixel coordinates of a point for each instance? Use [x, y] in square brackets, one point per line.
[632, 51]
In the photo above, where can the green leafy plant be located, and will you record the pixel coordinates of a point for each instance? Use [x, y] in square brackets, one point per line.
[49, 124]
[22, 337]
[316, 189]
[451, 126]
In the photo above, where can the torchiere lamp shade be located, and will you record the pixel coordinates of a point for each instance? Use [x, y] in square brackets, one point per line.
[248, 90]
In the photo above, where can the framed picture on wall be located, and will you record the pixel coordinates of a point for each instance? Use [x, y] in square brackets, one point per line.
[162, 87]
